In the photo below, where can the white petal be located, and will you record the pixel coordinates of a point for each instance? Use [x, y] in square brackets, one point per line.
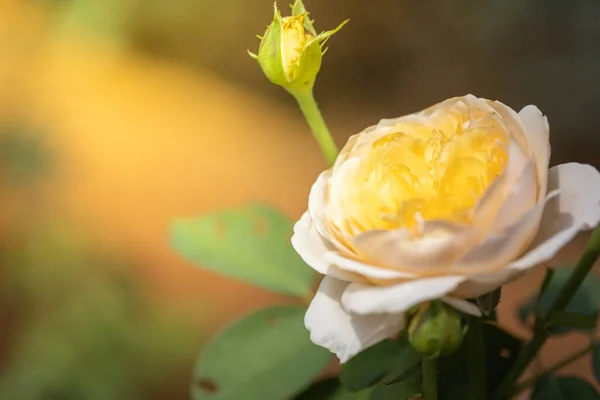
[522, 197]
[463, 306]
[359, 142]
[312, 247]
[514, 124]
[477, 285]
[363, 269]
[343, 333]
[576, 208]
[486, 211]
[537, 133]
[497, 250]
[366, 299]
[316, 209]
[438, 246]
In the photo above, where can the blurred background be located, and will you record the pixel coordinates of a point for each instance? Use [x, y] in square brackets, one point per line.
[117, 116]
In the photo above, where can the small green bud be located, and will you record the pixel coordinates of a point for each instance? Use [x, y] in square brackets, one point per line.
[489, 301]
[435, 329]
[291, 51]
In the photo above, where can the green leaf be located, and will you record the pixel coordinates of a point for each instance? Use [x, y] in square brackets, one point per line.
[501, 351]
[406, 365]
[404, 390]
[488, 302]
[266, 355]
[403, 370]
[376, 362]
[585, 301]
[343, 394]
[596, 362]
[369, 366]
[321, 390]
[546, 282]
[331, 389]
[563, 388]
[572, 320]
[250, 243]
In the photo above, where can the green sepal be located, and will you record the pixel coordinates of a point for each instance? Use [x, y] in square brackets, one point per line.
[269, 53]
[299, 9]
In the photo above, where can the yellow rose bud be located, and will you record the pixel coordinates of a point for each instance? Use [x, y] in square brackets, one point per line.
[291, 51]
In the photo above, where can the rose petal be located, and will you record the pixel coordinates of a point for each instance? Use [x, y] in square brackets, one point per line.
[311, 247]
[344, 197]
[573, 205]
[362, 298]
[537, 134]
[316, 209]
[356, 142]
[577, 208]
[343, 333]
[498, 249]
[486, 211]
[439, 245]
[521, 199]
[477, 285]
[514, 124]
[463, 306]
[363, 269]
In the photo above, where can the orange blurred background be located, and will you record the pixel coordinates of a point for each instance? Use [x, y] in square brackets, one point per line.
[134, 113]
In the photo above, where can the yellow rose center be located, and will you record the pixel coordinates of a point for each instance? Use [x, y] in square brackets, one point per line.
[435, 166]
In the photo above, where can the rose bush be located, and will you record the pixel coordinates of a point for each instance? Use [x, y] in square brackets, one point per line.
[450, 203]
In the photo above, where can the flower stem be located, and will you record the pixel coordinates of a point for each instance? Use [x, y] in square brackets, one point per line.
[530, 350]
[476, 359]
[532, 381]
[317, 124]
[429, 367]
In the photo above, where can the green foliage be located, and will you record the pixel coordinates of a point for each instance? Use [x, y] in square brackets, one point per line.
[572, 320]
[321, 390]
[596, 362]
[489, 301]
[401, 390]
[564, 388]
[77, 327]
[331, 389]
[387, 360]
[343, 394]
[23, 156]
[501, 350]
[582, 309]
[392, 370]
[266, 355]
[251, 243]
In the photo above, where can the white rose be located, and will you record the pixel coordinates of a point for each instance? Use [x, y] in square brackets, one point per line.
[451, 202]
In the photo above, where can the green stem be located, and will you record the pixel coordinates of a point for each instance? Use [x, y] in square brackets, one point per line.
[584, 266]
[532, 381]
[476, 359]
[317, 124]
[430, 390]
[527, 354]
[530, 350]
